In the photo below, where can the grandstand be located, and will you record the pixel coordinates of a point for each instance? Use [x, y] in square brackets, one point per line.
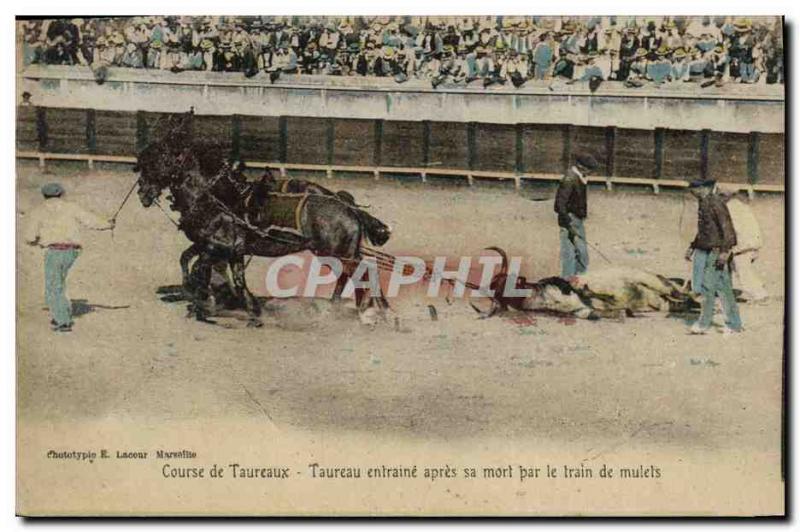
[487, 49]
[374, 126]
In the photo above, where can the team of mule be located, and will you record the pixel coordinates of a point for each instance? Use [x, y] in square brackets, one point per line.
[226, 217]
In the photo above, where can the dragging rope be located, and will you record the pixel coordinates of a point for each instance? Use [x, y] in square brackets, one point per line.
[124, 201]
[596, 250]
[121, 205]
[387, 262]
[176, 224]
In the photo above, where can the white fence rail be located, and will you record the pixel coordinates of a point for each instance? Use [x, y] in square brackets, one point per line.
[470, 175]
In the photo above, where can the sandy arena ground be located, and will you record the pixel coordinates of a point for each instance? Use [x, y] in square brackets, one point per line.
[585, 390]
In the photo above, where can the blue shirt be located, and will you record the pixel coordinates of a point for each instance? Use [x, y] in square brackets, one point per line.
[679, 70]
[542, 54]
[659, 71]
[592, 71]
[697, 67]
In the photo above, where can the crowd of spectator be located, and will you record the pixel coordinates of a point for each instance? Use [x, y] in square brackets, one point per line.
[453, 50]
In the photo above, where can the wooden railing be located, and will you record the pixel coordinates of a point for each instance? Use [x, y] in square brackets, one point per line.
[423, 172]
[609, 89]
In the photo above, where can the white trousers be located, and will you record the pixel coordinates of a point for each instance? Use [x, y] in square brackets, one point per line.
[747, 279]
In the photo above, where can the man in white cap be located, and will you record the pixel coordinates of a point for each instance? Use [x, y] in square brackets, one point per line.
[55, 227]
[748, 243]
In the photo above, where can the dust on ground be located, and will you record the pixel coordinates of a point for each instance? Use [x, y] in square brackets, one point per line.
[314, 368]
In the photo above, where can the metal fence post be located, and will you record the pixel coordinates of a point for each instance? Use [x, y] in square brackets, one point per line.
[472, 148]
[658, 152]
[567, 154]
[236, 136]
[91, 131]
[41, 128]
[283, 139]
[753, 157]
[377, 154]
[519, 149]
[330, 134]
[141, 131]
[705, 134]
[611, 142]
[426, 142]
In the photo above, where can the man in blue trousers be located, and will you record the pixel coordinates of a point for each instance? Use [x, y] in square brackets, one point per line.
[712, 249]
[570, 206]
[55, 226]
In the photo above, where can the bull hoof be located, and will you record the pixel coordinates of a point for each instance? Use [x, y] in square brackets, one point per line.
[255, 323]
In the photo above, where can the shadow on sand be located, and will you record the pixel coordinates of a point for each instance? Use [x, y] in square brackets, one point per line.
[82, 306]
[287, 313]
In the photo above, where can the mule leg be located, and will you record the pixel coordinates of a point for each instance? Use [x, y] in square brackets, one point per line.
[370, 302]
[359, 294]
[251, 303]
[221, 267]
[186, 257]
[201, 279]
[377, 299]
[341, 282]
[380, 302]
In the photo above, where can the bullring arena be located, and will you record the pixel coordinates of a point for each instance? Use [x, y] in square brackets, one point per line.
[637, 390]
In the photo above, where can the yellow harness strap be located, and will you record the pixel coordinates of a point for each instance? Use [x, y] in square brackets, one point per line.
[299, 211]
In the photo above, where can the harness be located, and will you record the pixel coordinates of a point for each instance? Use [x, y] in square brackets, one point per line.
[263, 233]
[280, 211]
[204, 190]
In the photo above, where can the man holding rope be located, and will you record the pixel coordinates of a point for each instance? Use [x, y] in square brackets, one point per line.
[55, 227]
[715, 240]
[570, 205]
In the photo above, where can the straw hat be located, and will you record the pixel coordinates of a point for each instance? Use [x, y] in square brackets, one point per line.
[743, 25]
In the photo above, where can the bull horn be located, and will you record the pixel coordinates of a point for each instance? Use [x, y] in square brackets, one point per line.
[503, 255]
[484, 315]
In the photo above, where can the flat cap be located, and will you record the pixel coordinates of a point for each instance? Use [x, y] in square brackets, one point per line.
[586, 160]
[52, 190]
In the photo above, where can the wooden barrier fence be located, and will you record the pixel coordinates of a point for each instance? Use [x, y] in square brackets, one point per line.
[516, 152]
[422, 172]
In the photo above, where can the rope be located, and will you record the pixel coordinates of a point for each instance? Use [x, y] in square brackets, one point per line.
[124, 201]
[176, 224]
[596, 249]
[388, 261]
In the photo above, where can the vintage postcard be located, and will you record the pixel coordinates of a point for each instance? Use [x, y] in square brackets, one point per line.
[400, 265]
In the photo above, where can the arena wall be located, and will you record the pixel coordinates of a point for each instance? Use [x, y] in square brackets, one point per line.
[671, 133]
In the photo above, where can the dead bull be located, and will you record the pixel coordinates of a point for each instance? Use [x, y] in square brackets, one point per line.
[598, 294]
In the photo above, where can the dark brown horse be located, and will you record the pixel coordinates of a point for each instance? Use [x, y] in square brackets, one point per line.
[216, 214]
[259, 193]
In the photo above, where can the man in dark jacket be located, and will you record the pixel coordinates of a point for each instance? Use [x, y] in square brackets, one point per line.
[570, 205]
[715, 239]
